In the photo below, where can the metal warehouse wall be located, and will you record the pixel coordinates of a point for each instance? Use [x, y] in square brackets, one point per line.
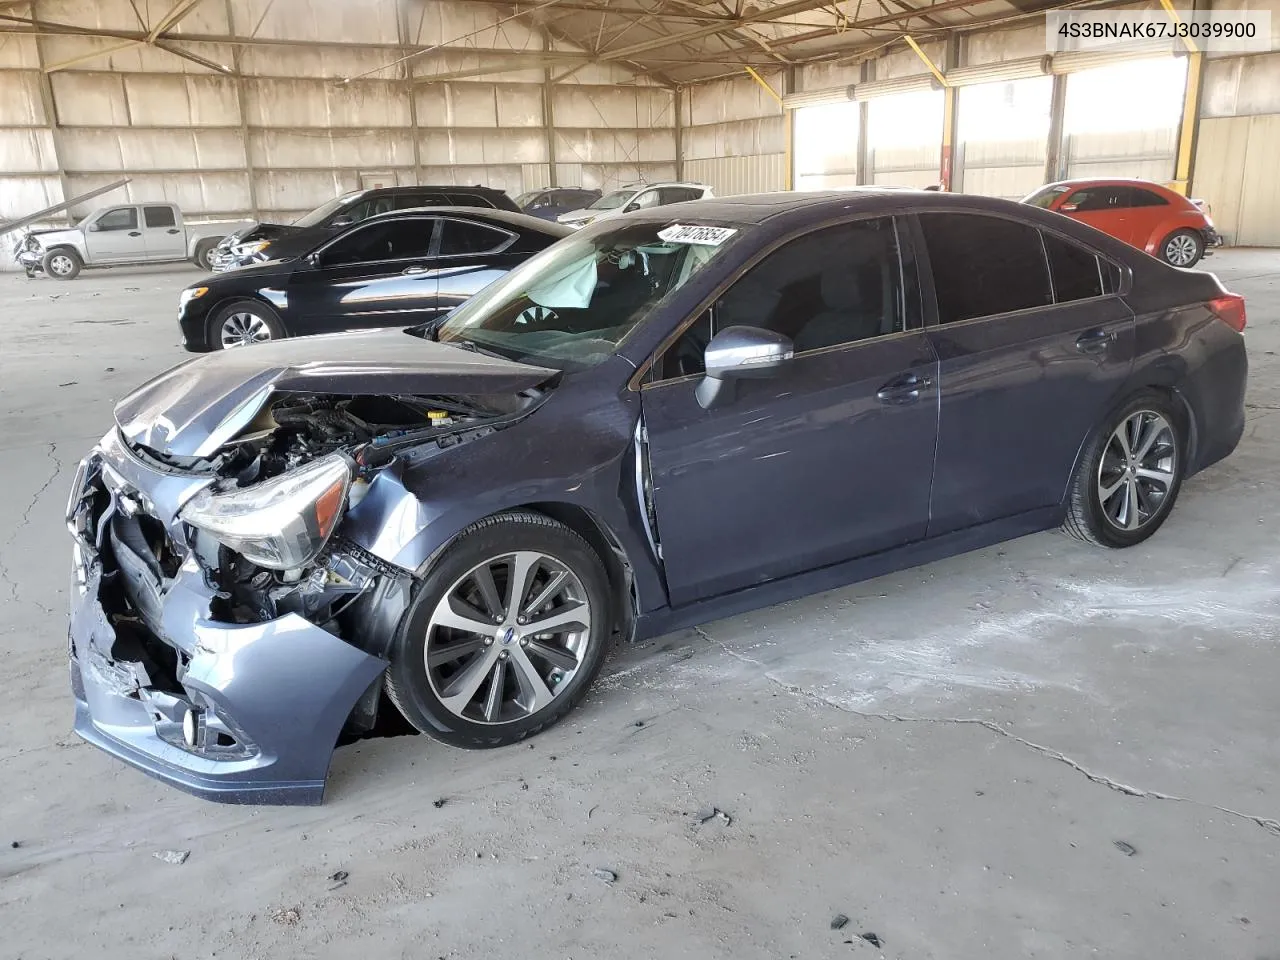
[734, 135]
[279, 131]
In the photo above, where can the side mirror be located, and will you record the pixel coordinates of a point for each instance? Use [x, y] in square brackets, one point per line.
[737, 353]
[342, 222]
[312, 260]
[631, 206]
[93, 227]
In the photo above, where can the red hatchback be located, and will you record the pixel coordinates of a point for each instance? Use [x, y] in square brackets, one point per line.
[1149, 216]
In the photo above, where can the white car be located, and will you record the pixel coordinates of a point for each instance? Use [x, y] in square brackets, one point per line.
[635, 197]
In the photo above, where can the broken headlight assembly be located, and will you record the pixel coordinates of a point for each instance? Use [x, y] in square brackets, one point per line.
[282, 523]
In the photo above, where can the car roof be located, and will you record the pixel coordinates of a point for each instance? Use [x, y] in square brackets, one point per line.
[521, 221]
[1107, 182]
[661, 183]
[441, 187]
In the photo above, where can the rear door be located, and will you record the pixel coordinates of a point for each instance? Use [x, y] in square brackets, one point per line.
[829, 459]
[375, 275]
[1103, 208]
[161, 232]
[1033, 343]
[470, 256]
[116, 237]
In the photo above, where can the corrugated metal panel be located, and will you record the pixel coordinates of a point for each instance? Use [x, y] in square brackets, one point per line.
[23, 195]
[996, 45]
[133, 149]
[1260, 188]
[27, 151]
[1246, 85]
[729, 176]
[1221, 150]
[326, 149]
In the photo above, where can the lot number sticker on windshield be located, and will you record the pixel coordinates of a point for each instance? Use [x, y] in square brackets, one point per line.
[704, 236]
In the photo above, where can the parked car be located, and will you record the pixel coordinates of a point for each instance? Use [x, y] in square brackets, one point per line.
[392, 269]
[638, 196]
[130, 233]
[551, 203]
[661, 420]
[1148, 215]
[260, 242]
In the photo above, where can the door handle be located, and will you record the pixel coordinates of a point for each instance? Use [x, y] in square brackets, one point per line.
[410, 271]
[903, 390]
[135, 233]
[173, 230]
[1095, 341]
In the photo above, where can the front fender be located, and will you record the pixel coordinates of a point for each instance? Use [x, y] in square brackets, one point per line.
[67, 238]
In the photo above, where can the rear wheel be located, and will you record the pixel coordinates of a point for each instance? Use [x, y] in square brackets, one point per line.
[204, 254]
[244, 323]
[505, 634]
[62, 263]
[1129, 478]
[1182, 248]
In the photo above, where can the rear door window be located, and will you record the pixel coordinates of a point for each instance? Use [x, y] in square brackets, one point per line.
[1076, 272]
[159, 217]
[407, 238]
[468, 200]
[463, 237]
[983, 265]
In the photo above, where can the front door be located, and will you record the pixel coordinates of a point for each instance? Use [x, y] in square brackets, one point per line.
[831, 458]
[164, 238]
[115, 237]
[376, 275]
[1034, 345]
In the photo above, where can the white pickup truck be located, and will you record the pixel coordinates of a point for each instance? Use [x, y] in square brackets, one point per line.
[124, 234]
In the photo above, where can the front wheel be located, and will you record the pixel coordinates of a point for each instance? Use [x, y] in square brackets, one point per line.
[1129, 478]
[62, 264]
[204, 254]
[1182, 248]
[242, 324]
[505, 634]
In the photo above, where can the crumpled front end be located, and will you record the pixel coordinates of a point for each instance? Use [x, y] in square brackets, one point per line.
[30, 255]
[173, 678]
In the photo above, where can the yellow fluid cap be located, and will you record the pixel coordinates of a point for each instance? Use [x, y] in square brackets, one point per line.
[437, 414]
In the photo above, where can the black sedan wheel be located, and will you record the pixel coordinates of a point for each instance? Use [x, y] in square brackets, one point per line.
[242, 324]
[505, 634]
[1127, 482]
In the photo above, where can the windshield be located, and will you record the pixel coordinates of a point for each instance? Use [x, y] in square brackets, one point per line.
[571, 305]
[1045, 196]
[612, 201]
[525, 199]
[324, 211]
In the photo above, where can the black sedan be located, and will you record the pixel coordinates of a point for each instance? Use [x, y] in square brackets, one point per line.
[664, 419]
[397, 269]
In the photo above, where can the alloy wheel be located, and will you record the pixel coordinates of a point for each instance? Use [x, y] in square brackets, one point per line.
[1137, 470]
[61, 264]
[241, 329]
[1181, 250]
[506, 638]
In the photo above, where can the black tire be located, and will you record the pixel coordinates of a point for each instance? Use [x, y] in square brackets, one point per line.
[62, 263]
[1086, 518]
[269, 318]
[204, 253]
[1182, 248]
[407, 683]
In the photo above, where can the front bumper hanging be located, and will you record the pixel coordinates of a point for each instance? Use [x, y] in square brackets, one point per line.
[238, 713]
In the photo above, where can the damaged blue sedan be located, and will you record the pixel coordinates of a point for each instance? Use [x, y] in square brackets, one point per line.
[669, 417]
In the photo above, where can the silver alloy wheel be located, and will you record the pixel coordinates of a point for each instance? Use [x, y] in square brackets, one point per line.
[1181, 250]
[61, 264]
[1137, 470]
[243, 328]
[506, 638]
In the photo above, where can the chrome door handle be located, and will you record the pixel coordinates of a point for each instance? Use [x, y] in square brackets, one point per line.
[903, 390]
[1095, 341]
[409, 271]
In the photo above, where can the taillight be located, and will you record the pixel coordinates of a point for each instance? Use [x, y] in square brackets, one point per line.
[1230, 310]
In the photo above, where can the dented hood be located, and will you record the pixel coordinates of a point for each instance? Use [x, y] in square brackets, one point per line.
[193, 409]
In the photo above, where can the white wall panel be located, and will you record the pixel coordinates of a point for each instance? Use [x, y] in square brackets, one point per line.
[19, 52]
[632, 107]
[826, 76]
[20, 103]
[182, 101]
[905, 63]
[90, 99]
[311, 103]
[301, 190]
[483, 147]
[999, 45]
[330, 149]
[351, 21]
[27, 151]
[729, 176]
[209, 192]
[319, 62]
[134, 149]
[20, 196]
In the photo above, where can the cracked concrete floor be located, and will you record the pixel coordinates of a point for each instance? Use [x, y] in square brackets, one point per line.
[1040, 749]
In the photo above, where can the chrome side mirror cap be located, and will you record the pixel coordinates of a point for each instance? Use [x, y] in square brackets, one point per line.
[738, 353]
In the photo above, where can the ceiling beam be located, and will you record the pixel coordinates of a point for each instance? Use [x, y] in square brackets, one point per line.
[172, 18]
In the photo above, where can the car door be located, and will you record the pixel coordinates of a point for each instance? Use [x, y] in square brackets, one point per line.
[1034, 344]
[163, 237]
[377, 274]
[1103, 208]
[1148, 214]
[471, 256]
[115, 237]
[829, 459]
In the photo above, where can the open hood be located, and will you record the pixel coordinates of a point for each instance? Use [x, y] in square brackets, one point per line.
[193, 409]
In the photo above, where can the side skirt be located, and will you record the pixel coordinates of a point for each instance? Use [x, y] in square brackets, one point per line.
[668, 619]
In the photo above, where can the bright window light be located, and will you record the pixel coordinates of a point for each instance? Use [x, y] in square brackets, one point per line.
[1142, 95]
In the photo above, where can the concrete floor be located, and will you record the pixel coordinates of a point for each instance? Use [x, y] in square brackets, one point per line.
[949, 756]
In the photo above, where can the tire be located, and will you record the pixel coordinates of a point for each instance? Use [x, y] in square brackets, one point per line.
[242, 323]
[1182, 248]
[204, 254]
[1112, 506]
[565, 662]
[62, 263]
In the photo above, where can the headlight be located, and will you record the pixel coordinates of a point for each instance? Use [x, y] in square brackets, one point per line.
[189, 294]
[281, 523]
[249, 249]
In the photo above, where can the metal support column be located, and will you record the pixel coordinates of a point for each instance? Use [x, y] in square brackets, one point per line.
[549, 127]
[242, 108]
[408, 44]
[49, 106]
[679, 98]
[1055, 161]
[1189, 127]
[865, 174]
[947, 172]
